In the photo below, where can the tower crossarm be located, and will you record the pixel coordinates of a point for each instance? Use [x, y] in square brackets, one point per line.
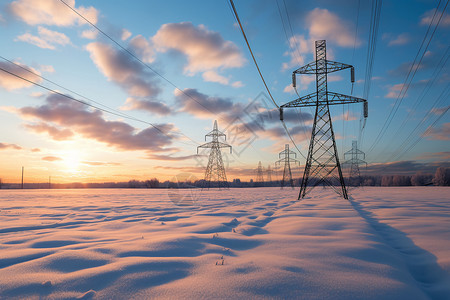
[283, 160]
[355, 152]
[331, 66]
[355, 161]
[332, 99]
[215, 145]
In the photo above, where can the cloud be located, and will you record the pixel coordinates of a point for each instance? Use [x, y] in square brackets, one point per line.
[205, 50]
[122, 69]
[403, 168]
[325, 25]
[142, 48]
[4, 146]
[443, 156]
[427, 17]
[394, 91]
[51, 158]
[125, 35]
[91, 125]
[399, 40]
[348, 116]
[99, 163]
[35, 12]
[46, 39]
[439, 110]
[147, 105]
[204, 106]
[35, 150]
[442, 133]
[10, 82]
[90, 34]
[170, 157]
[47, 68]
[237, 84]
[212, 76]
[56, 133]
[302, 83]
[300, 46]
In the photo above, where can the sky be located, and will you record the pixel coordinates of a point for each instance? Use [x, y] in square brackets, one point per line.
[193, 67]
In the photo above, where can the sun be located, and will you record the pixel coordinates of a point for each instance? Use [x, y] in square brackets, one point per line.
[71, 160]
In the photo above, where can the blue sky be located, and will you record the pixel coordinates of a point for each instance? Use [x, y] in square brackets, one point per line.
[199, 51]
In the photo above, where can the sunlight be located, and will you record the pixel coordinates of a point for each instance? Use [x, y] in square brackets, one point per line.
[71, 160]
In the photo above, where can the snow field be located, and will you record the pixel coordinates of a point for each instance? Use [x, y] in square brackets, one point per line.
[385, 243]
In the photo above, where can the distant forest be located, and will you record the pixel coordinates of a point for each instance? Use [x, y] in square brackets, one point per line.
[440, 178]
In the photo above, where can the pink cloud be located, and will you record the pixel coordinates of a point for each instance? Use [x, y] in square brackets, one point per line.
[91, 125]
[56, 133]
[10, 82]
[51, 158]
[35, 12]
[394, 91]
[46, 39]
[325, 25]
[122, 69]
[442, 133]
[205, 49]
[147, 105]
[4, 146]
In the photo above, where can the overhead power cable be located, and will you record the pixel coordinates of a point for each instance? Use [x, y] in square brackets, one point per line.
[260, 74]
[109, 111]
[412, 70]
[138, 59]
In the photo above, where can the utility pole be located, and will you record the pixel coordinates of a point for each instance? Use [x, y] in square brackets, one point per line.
[259, 175]
[354, 178]
[22, 178]
[322, 164]
[215, 171]
[285, 157]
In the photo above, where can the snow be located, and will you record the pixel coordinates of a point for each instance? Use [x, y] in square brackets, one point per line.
[385, 243]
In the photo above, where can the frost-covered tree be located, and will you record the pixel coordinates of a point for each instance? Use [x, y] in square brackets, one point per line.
[399, 180]
[420, 179]
[442, 176]
[386, 180]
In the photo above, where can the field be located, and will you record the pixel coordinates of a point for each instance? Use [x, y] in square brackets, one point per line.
[385, 243]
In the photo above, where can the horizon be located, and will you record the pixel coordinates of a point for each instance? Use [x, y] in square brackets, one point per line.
[195, 68]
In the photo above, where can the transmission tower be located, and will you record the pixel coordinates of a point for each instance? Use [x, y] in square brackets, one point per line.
[259, 175]
[215, 171]
[285, 157]
[354, 162]
[269, 174]
[322, 164]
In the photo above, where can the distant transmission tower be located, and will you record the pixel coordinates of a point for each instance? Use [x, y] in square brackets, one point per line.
[354, 162]
[269, 174]
[215, 171]
[285, 157]
[322, 164]
[260, 175]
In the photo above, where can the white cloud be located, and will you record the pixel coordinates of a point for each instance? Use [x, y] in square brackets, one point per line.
[47, 68]
[142, 48]
[394, 91]
[213, 76]
[46, 39]
[35, 12]
[325, 25]
[125, 35]
[205, 50]
[10, 82]
[427, 17]
[237, 84]
[90, 34]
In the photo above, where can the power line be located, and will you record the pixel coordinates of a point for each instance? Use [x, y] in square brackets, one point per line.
[87, 104]
[107, 108]
[409, 79]
[260, 74]
[138, 59]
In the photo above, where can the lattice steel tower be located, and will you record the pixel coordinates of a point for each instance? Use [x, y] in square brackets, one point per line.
[322, 163]
[260, 175]
[285, 157]
[269, 174]
[354, 178]
[215, 171]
